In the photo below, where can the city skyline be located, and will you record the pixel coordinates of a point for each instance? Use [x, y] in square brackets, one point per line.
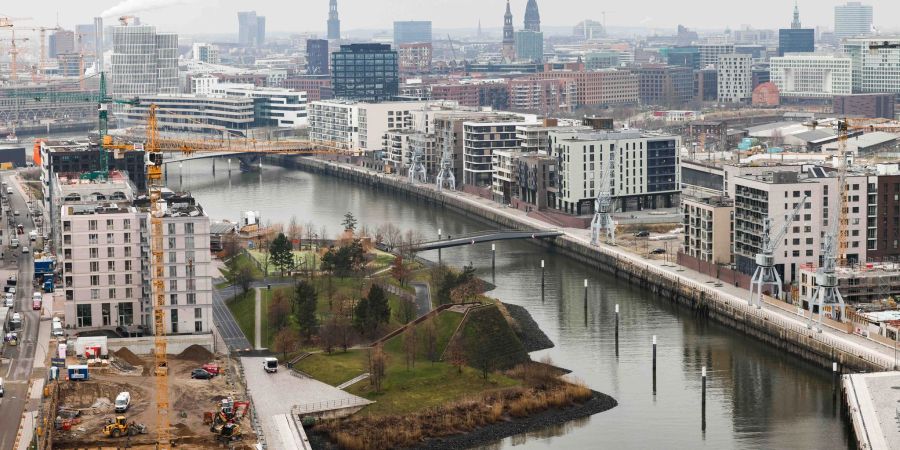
[218, 17]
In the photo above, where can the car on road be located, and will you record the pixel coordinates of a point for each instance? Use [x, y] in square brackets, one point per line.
[201, 374]
[16, 318]
[658, 251]
[26, 250]
[642, 233]
[16, 212]
[9, 300]
[11, 290]
[270, 365]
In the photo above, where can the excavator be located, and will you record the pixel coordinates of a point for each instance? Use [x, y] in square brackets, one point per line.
[121, 427]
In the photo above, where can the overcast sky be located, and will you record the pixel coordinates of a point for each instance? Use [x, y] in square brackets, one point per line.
[219, 16]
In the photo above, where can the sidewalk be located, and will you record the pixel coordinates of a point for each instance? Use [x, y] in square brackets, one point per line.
[734, 296]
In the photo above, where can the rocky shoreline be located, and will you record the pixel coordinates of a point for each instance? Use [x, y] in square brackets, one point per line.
[528, 331]
[492, 433]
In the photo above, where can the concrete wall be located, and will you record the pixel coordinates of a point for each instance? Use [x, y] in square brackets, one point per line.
[704, 300]
[176, 343]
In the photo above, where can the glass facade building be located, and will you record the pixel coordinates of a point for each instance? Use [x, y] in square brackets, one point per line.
[530, 46]
[796, 40]
[367, 72]
[412, 31]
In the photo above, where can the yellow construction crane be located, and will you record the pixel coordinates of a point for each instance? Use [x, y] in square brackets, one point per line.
[843, 206]
[14, 55]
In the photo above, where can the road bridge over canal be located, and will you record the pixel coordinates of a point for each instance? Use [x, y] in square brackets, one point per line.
[486, 236]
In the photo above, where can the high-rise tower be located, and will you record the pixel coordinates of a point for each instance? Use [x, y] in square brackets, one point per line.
[509, 39]
[795, 24]
[334, 24]
[532, 16]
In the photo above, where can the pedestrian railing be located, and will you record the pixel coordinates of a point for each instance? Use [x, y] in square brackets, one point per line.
[329, 405]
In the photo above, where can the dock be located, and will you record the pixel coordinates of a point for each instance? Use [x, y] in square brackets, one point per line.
[873, 406]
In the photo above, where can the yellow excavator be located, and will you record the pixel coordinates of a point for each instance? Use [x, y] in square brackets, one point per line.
[121, 427]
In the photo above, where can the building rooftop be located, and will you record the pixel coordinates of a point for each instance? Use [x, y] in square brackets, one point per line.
[598, 135]
[98, 208]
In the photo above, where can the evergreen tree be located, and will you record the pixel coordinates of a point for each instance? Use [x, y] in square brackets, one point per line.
[280, 253]
[305, 298]
[349, 222]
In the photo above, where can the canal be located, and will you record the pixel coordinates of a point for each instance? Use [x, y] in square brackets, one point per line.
[757, 396]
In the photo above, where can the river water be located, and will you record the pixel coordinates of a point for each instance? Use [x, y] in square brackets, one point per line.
[757, 396]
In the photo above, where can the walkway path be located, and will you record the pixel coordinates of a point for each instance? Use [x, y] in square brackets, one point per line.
[257, 321]
[736, 297]
[229, 330]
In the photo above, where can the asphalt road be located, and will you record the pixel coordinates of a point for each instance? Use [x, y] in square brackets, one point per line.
[229, 330]
[18, 360]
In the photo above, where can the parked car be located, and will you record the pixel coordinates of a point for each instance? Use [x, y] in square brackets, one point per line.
[26, 250]
[201, 374]
[9, 301]
[642, 233]
[212, 368]
[16, 212]
[123, 401]
[658, 251]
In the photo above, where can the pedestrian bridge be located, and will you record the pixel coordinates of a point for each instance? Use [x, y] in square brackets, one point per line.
[485, 236]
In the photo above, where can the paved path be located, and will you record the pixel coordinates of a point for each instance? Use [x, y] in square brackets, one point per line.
[257, 320]
[737, 297]
[423, 298]
[229, 330]
[276, 393]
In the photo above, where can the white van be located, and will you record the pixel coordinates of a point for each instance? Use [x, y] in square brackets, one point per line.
[14, 242]
[271, 365]
[9, 301]
[57, 329]
[123, 401]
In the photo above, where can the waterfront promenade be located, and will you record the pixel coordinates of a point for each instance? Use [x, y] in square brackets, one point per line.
[871, 354]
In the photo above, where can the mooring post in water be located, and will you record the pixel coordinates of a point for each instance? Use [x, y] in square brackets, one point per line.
[229, 167]
[834, 378]
[180, 173]
[654, 364]
[703, 398]
[542, 275]
[493, 257]
[617, 329]
[585, 291]
[214, 166]
[439, 249]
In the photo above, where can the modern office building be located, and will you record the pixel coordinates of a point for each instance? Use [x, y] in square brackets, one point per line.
[317, 57]
[334, 22]
[317, 87]
[663, 85]
[272, 106]
[532, 17]
[99, 44]
[84, 38]
[221, 117]
[530, 46]
[811, 76]
[509, 40]
[358, 126]
[646, 169]
[734, 78]
[876, 64]
[602, 60]
[480, 140]
[365, 72]
[251, 29]
[706, 85]
[684, 56]
[61, 41]
[491, 92]
[412, 31]
[852, 19]
[865, 105]
[143, 62]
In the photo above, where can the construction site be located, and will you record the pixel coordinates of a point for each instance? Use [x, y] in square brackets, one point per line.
[84, 413]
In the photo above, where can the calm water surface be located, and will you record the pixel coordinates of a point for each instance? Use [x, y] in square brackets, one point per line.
[758, 398]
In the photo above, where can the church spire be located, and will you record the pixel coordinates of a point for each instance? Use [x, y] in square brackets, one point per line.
[532, 16]
[795, 24]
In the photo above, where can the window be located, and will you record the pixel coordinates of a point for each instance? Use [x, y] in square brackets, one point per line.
[95, 280]
[95, 266]
[127, 237]
[173, 299]
[189, 242]
[92, 239]
[174, 318]
[111, 279]
[127, 252]
[126, 313]
[109, 224]
[92, 225]
[171, 242]
[189, 228]
[95, 294]
[127, 264]
[191, 298]
[172, 258]
[67, 239]
[128, 278]
[93, 253]
[198, 326]
[173, 285]
[129, 293]
[171, 228]
[112, 293]
[110, 252]
[173, 271]
[198, 313]
[83, 316]
[110, 266]
[126, 223]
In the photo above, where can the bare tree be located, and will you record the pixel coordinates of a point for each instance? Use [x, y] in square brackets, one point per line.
[323, 234]
[286, 341]
[295, 230]
[409, 346]
[393, 237]
[377, 367]
[310, 229]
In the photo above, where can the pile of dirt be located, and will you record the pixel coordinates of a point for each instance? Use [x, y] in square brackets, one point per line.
[196, 354]
[126, 355]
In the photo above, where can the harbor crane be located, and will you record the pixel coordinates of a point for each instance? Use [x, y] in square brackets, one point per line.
[417, 170]
[445, 177]
[825, 296]
[603, 222]
[765, 273]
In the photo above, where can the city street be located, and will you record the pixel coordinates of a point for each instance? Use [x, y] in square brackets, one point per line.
[18, 361]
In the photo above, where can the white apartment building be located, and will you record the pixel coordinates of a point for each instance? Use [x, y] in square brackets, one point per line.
[352, 125]
[811, 76]
[188, 272]
[480, 140]
[101, 264]
[220, 116]
[875, 70]
[646, 170]
[774, 195]
[852, 19]
[708, 228]
[735, 77]
[207, 53]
